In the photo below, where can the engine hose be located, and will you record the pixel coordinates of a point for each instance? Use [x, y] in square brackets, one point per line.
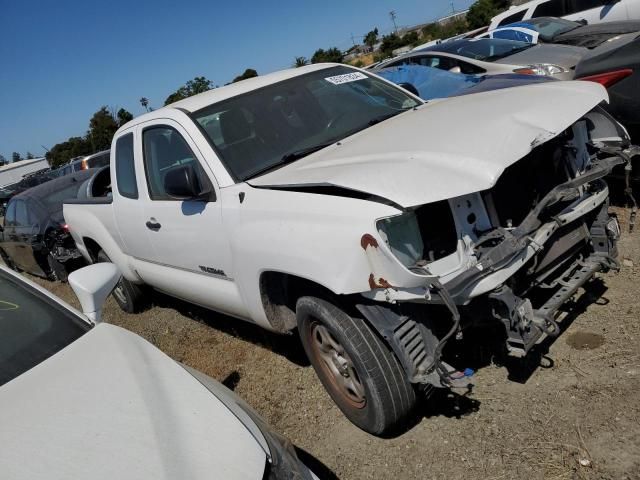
[450, 304]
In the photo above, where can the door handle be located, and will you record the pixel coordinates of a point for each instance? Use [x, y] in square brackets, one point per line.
[152, 224]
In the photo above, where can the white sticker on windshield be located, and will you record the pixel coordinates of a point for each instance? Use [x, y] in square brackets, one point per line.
[346, 78]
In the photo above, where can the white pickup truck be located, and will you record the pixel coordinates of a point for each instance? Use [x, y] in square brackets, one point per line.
[329, 200]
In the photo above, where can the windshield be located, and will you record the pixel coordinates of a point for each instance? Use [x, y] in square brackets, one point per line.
[551, 27]
[262, 129]
[32, 327]
[487, 49]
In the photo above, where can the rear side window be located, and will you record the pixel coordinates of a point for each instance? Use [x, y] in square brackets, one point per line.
[125, 168]
[22, 218]
[99, 161]
[553, 8]
[10, 218]
[516, 17]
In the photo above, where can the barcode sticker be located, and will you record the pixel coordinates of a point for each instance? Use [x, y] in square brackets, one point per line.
[346, 78]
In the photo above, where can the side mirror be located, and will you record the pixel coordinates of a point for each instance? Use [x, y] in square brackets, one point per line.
[92, 285]
[182, 183]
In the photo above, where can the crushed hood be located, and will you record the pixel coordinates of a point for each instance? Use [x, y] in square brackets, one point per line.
[112, 406]
[563, 55]
[445, 148]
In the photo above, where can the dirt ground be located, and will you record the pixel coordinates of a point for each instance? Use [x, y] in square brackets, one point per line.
[572, 413]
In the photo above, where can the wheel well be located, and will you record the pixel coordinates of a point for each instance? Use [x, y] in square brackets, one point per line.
[92, 247]
[280, 292]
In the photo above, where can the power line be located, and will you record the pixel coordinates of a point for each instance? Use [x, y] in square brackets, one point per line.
[392, 14]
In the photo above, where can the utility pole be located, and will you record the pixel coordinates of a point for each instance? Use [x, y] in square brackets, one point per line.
[353, 40]
[453, 10]
[392, 14]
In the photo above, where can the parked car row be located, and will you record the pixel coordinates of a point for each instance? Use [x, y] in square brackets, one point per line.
[84, 162]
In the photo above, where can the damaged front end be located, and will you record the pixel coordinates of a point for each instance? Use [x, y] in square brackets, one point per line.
[514, 253]
[58, 252]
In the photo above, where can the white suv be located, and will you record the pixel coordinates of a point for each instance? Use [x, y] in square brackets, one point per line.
[593, 11]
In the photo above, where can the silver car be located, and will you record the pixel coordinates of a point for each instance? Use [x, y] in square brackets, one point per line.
[496, 56]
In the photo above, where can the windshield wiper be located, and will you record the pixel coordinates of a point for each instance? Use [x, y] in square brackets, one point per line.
[303, 152]
[386, 116]
[290, 157]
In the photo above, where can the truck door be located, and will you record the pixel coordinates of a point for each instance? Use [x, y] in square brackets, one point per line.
[190, 255]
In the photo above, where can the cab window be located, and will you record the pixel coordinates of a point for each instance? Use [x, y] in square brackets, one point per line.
[164, 150]
[553, 8]
[577, 6]
[125, 168]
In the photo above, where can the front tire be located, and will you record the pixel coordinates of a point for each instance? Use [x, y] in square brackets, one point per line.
[129, 296]
[358, 370]
[57, 271]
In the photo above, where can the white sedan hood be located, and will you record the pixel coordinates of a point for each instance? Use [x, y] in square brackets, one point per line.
[112, 406]
[445, 148]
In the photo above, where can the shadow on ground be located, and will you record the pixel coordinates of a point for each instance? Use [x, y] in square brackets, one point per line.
[486, 346]
[287, 345]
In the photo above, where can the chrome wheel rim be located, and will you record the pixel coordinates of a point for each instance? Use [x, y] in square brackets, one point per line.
[338, 365]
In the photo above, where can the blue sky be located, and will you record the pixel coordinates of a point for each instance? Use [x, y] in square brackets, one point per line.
[61, 61]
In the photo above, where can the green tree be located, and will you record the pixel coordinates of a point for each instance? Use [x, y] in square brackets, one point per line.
[30, 156]
[300, 62]
[248, 73]
[124, 117]
[432, 31]
[61, 153]
[371, 38]
[332, 55]
[102, 126]
[390, 43]
[3, 161]
[15, 157]
[192, 87]
[482, 11]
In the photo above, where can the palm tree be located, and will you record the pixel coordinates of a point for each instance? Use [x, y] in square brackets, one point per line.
[301, 62]
[144, 101]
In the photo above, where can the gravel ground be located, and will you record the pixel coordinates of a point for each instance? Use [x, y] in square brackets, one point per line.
[574, 413]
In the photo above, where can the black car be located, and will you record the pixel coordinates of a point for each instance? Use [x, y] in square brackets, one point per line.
[34, 236]
[567, 32]
[615, 64]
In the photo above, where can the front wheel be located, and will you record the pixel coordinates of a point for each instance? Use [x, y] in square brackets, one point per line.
[358, 370]
[129, 296]
[57, 271]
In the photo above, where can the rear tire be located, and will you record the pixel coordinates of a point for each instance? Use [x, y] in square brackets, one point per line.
[129, 296]
[358, 370]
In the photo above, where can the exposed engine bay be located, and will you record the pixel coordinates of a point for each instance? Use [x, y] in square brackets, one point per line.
[514, 253]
